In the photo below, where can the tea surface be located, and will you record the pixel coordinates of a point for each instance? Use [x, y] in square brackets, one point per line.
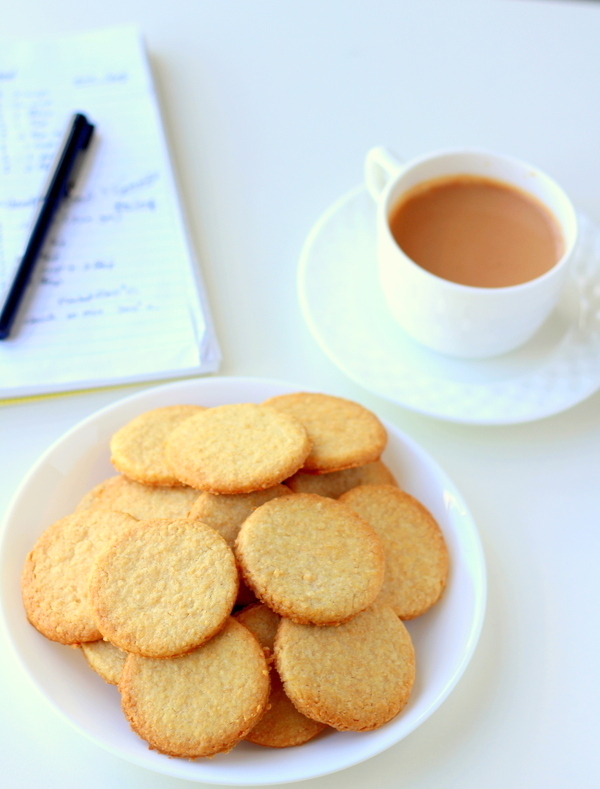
[476, 231]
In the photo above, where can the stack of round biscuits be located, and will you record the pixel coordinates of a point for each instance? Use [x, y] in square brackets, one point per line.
[245, 576]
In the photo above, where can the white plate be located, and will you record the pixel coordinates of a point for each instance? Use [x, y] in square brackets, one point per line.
[345, 310]
[444, 637]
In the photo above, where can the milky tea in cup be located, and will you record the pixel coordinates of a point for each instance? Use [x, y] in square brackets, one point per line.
[472, 248]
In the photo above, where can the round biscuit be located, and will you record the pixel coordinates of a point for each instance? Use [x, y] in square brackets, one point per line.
[163, 588]
[138, 448]
[144, 502]
[344, 434]
[310, 558]
[201, 703]
[282, 725]
[354, 677]
[105, 659]
[237, 448]
[56, 573]
[226, 513]
[335, 483]
[262, 622]
[416, 557]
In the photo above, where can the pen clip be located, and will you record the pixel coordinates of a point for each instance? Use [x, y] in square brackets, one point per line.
[85, 132]
[80, 128]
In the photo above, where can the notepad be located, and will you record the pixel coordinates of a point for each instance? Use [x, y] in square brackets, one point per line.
[117, 296]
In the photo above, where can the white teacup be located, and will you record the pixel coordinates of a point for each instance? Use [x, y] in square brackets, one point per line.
[462, 320]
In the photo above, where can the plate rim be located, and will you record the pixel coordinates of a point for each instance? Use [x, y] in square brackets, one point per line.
[468, 526]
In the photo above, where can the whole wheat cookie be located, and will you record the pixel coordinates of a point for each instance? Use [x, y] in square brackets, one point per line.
[163, 588]
[138, 448]
[105, 659]
[335, 483]
[416, 556]
[144, 502]
[354, 677]
[282, 725]
[201, 703]
[263, 623]
[310, 558]
[237, 448]
[56, 573]
[226, 513]
[344, 434]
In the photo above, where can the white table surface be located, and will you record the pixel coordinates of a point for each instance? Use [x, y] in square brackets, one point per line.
[270, 108]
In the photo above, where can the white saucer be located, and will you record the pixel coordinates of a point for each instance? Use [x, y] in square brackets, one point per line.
[345, 310]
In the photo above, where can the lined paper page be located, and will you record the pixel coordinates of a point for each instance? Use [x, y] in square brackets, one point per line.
[117, 296]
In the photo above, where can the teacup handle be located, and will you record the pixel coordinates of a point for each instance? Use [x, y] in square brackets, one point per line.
[380, 167]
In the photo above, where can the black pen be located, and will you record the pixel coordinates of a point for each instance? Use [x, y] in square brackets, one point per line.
[61, 182]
